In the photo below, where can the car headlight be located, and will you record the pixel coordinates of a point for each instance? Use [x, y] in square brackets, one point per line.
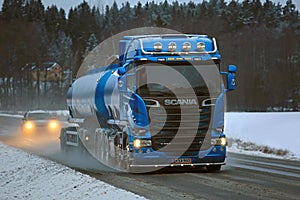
[140, 143]
[53, 124]
[29, 125]
[219, 141]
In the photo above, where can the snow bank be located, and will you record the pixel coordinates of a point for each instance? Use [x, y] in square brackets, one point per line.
[277, 130]
[11, 115]
[26, 176]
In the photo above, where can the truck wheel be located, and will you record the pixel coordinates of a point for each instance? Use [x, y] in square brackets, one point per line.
[82, 149]
[62, 139]
[213, 168]
[97, 146]
[106, 148]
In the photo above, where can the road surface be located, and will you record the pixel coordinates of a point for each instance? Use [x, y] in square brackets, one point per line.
[244, 177]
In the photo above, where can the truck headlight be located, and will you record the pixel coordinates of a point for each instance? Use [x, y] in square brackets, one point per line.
[219, 141]
[140, 143]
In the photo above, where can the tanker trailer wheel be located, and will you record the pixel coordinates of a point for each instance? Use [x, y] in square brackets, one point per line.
[63, 140]
[106, 148]
[97, 145]
[81, 148]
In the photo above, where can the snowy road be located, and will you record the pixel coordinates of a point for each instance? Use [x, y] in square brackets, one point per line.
[244, 176]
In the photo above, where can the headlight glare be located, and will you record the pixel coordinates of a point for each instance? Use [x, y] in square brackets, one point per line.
[53, 124]
[29, 125]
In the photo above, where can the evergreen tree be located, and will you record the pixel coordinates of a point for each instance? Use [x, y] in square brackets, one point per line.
[34, 10]
[12, 9]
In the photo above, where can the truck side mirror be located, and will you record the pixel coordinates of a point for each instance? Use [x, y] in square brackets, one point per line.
[232, 69]
[121, 71]
[231, 83]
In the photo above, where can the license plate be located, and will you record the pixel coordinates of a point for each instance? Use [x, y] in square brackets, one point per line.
[182, 161]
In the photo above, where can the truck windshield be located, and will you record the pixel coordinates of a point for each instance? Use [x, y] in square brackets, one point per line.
[204, 80]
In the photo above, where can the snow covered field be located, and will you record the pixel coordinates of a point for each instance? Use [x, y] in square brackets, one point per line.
[276, 130]
[26, 176]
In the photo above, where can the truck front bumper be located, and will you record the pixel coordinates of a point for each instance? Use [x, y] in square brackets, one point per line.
[155, 159]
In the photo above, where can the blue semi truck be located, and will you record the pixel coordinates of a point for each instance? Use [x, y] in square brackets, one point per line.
[159, 104]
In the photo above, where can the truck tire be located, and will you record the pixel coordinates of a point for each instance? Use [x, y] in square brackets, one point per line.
[213, 168]
[82, 149]
[63, 139]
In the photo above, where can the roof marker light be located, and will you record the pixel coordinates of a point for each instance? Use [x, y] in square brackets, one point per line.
[201, 46]
[186, 46]
[157, 46]
[172, 46]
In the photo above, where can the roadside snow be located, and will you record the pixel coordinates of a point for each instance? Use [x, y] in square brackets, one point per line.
[277, 130]
[26, 176]
[10, 115]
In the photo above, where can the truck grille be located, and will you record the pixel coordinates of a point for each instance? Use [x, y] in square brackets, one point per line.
[187, 124]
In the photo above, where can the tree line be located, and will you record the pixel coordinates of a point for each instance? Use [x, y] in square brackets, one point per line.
[261, 38]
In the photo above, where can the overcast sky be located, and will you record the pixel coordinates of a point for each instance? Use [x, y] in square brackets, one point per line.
[67, 4]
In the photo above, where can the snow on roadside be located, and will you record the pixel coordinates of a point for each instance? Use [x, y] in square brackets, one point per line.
[274, 129]
[257, 150]
[26, 176]
[11, 115]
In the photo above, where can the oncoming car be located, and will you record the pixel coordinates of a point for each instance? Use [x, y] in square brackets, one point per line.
[39, 122]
